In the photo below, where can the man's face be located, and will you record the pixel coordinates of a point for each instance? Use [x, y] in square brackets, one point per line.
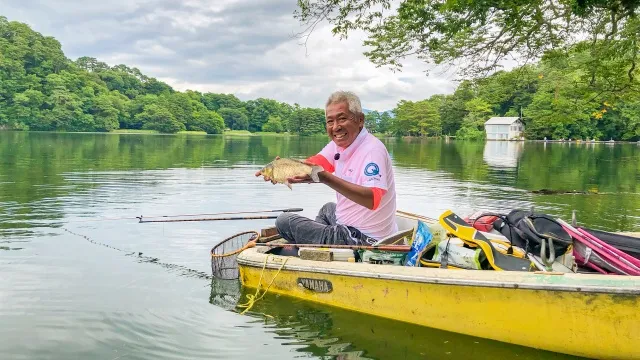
[343, 126]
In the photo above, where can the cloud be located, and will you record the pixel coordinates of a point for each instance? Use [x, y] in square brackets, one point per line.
[245, 47]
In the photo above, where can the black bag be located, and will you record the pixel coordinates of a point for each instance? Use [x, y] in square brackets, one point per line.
[528, 230]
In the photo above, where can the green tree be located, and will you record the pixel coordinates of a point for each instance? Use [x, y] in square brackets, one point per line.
[477, 35]
[208, 121]
[154, 117]
[472, 128]
[307, 121]
[274, 124]
[371, 121]
[217, 101]
[234, 119]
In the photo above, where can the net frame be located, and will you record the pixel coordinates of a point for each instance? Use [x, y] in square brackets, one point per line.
[224, 264]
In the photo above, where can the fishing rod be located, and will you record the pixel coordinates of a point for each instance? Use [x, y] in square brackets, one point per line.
[250, 244]
[183, 215]
[210, 219]
[226, 213]
[397, 248]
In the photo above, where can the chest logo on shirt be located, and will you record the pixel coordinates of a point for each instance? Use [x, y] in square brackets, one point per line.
[372, 169]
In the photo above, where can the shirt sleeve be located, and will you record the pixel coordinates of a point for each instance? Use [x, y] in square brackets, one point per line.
[375, 170]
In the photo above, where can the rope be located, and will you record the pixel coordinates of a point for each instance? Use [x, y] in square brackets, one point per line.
[253, 298]
[146, 259]
[97, 242]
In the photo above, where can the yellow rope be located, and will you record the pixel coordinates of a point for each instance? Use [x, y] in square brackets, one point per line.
[253, 298]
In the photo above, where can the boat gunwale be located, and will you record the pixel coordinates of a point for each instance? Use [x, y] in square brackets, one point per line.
[427, 279]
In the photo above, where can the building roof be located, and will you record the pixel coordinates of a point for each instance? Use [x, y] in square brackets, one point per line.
[502, 120]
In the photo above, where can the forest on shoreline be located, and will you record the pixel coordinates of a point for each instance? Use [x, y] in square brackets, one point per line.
[559, 97]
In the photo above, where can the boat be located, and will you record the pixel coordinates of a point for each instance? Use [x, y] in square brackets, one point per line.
[588, 315]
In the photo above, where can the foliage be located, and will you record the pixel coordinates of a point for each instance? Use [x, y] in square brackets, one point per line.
[558, 98]
[587, 90]
[307, 121]
[155, 117]
[478, 35]
[273, 124]
[40, 89]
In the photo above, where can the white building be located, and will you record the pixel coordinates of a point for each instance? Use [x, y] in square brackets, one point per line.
[504, 128]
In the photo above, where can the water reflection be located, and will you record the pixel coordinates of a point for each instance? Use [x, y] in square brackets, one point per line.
[40, 173]
[324, 331]
[55, 181]
[503, 154]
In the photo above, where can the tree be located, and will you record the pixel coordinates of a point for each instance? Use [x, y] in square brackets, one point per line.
[472, 128]
[217, 101]
[158, 118]
[371, 121]
[234, 119]
[274, 124]
[478, 35]
[384, 123]
[307, 121]
[207, 121]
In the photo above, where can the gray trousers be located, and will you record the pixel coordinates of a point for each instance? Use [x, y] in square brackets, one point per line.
[324, 230]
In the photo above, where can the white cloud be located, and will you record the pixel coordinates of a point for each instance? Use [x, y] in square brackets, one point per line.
[245, 47]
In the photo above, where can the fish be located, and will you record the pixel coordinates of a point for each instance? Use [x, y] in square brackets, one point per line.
[281, 169]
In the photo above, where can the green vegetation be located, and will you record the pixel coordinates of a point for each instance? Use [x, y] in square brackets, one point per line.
[41, 89]
[578, 90]
[581, 74]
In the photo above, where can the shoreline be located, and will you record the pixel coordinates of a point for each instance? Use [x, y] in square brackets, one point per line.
[246, 133]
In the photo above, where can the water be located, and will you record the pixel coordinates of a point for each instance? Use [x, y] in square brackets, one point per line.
[81, 278]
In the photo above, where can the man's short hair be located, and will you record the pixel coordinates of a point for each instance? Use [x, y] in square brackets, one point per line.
[345, 96]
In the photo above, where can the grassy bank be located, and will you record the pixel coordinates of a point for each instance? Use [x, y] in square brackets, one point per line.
[249, 133]
[133, 131]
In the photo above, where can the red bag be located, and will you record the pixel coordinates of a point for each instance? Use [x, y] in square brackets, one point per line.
[481, 220]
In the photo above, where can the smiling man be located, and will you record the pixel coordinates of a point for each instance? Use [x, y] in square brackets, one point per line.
[358, 167]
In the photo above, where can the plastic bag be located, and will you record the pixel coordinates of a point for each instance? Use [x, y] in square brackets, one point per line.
[421, 238]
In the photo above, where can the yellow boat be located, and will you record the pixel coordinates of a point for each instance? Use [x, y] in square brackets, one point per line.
[588, 315]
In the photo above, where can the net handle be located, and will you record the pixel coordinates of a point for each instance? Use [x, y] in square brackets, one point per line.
[251, 243]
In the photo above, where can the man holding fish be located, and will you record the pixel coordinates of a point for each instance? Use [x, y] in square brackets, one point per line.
[357, 166]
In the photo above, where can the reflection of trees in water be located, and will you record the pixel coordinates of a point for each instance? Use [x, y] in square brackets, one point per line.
[38, 169]
[298, 325]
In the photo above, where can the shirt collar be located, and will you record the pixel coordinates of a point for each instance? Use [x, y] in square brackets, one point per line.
[346, 153]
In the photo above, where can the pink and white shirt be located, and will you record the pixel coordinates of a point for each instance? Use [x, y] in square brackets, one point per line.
[365, 162]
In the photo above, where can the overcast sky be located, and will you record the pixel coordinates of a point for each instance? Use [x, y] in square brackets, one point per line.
[244, 47]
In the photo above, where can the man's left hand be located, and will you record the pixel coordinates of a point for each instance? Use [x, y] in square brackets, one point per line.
[300, 179]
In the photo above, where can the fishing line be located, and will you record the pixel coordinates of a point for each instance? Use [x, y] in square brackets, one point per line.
[185, 271]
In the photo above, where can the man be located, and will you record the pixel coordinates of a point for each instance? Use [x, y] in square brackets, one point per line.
[358, 167]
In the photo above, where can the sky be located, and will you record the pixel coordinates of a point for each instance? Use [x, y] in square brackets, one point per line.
[244, 47]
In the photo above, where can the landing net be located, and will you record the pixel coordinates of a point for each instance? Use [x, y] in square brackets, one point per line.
[224, 264]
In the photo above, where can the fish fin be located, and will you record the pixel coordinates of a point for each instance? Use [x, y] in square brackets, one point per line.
[288, 184]
[315, 170]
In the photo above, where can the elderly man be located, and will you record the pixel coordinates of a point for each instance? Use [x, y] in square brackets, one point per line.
[358, 167]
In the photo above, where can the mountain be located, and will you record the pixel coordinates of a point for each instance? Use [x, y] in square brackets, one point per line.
[367, 111]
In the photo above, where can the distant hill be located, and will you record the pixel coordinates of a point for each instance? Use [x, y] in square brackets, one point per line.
[366, 111]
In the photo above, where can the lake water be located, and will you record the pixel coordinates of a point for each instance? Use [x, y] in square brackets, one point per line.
[81, 278]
